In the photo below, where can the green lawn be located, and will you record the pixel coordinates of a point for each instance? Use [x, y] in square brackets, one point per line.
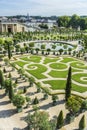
[56, 84]
[58, 66]
[38, 72]
[20, 63]
[32, 58]
[76, 77]
[68, 59]
[49, 60]
[61, 84]
[79, 65]
[58, 74]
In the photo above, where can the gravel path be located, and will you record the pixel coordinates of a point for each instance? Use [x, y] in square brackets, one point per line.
[9, 118]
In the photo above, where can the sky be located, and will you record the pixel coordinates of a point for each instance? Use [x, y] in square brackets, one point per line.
[43, 7]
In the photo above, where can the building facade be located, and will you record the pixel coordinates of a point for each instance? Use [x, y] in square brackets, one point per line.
[12, 27]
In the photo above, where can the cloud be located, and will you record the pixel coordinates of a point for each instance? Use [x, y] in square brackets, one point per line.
[43, 7]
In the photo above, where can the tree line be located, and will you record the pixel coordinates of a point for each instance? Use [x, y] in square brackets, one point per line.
[74, 21]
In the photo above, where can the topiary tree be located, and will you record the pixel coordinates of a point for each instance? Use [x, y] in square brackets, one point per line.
[31, 80]
[8, 45]
[9, 76]
[82, 123]
[1, 79]
[11, 92]
[38, 85]
[28, 100]
[24, 89]
[60, 120]
[18, 101]
[68, 85]
[36, 101]
[7, 82]
[54, 98]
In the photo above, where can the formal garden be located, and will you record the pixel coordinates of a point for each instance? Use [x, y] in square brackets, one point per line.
[52, 71]
[45, 80]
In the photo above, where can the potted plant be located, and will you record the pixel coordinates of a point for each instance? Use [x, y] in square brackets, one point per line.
[18, 101]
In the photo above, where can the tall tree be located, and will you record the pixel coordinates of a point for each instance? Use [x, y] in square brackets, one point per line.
[68, 85]
[60, 120]
[1, 79]
[11, 92]
[82, 123]
[8, 45]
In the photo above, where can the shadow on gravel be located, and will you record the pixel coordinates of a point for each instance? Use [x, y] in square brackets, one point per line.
[4, 102]
[7, 113]
[2, 95]
[26, 128]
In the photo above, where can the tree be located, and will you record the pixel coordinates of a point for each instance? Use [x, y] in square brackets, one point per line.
[38, 85]
[18, 101]
[68, 85]
[60, 51]
[84, 105]
[54, 98]
[38, 120]
[73, 104]
[8, 45]
[82, 123]
[60, 120]
[7, 86]
[75, 21]
[31, 80]
[11, 92]
[1, 79]
[63, 21]
[35, 100]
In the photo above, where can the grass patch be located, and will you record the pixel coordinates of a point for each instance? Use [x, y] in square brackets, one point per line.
[76, 77]
[61, 84]
[58, 74]
[38, 73]
[48, 60]
[56, 84]
[58, 66]
[33, 58]
[79, 88]
[79, 65]
[68, 59]
[20, 63]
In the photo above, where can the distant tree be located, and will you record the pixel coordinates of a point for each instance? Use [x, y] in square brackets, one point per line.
[75, 21]
[63, 21]
[60, 51]
[82, 123]
[60, 120]
[68, 85]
